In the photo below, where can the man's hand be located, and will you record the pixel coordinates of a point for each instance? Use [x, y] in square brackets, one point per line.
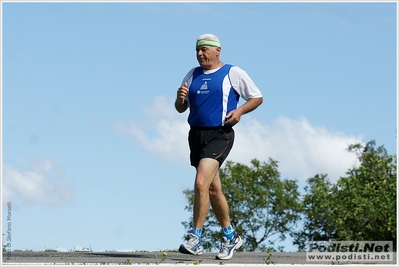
[180, 103]
[234, 116]
[182, 92]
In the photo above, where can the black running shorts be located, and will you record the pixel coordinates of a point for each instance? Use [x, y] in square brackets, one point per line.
[215, 143]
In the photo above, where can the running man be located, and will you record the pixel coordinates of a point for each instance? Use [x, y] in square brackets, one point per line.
[211, 92]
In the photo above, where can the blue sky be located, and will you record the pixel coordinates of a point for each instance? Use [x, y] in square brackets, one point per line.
[93, 152]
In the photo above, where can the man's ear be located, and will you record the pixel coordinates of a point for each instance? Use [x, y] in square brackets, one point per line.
[218, 49]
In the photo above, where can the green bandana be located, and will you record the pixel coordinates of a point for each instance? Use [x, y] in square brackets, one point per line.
[207, 43]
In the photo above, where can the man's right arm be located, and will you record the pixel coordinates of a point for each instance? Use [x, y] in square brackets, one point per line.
[181, 103]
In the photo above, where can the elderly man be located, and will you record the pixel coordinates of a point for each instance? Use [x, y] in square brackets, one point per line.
[211, 92]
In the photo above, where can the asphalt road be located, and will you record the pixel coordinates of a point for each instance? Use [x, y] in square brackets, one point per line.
[157, 258]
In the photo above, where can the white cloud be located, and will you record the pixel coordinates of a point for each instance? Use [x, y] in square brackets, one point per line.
[44, 183]
[164, 131]
[301, 149]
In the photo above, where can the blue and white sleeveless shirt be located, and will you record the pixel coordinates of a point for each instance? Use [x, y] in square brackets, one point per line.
[214, 93]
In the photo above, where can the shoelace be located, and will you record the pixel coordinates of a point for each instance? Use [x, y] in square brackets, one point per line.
[193, 241]
[224, 245]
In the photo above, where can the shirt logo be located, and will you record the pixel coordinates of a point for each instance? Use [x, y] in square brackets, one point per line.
[203, 89]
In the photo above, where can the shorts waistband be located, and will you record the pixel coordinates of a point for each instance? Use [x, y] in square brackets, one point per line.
[200, 128]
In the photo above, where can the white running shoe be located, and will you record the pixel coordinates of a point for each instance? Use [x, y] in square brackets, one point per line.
[193, 246]
[228, 247]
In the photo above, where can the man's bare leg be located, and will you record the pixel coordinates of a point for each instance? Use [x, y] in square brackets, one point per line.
[206, 171]
[219, 202]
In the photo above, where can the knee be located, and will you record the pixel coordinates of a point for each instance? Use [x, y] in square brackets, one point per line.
[215, 190]
[201, 185]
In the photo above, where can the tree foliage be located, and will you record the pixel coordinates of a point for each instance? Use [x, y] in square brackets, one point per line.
[263, 207]
[317, 217]
[360, 206]
[367, 196]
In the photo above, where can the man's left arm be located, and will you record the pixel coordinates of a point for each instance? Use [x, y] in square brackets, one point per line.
[234, 116]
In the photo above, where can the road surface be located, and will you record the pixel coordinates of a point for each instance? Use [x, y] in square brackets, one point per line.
[159, 258]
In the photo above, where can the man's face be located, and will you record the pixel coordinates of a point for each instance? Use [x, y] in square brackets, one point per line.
[208, 56]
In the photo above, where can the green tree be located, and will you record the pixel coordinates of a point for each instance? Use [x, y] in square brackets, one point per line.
[318, 212]
[263, 207]
[360, 206]
[366, 197]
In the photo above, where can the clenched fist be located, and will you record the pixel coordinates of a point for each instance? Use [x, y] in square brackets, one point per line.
[182, 92]
[180, 103]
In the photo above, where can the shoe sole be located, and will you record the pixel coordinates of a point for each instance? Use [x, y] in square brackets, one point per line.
[239, 244]
[184, 250]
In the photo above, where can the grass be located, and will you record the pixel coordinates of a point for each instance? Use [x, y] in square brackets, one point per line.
[197, 262]
[50, 250]
[82, 250]
[164, 256]
[126, 262]
[269, 260]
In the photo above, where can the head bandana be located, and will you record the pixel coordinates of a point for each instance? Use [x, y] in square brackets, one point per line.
[207, 43]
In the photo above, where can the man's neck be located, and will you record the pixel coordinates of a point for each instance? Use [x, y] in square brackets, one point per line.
[213, 66]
